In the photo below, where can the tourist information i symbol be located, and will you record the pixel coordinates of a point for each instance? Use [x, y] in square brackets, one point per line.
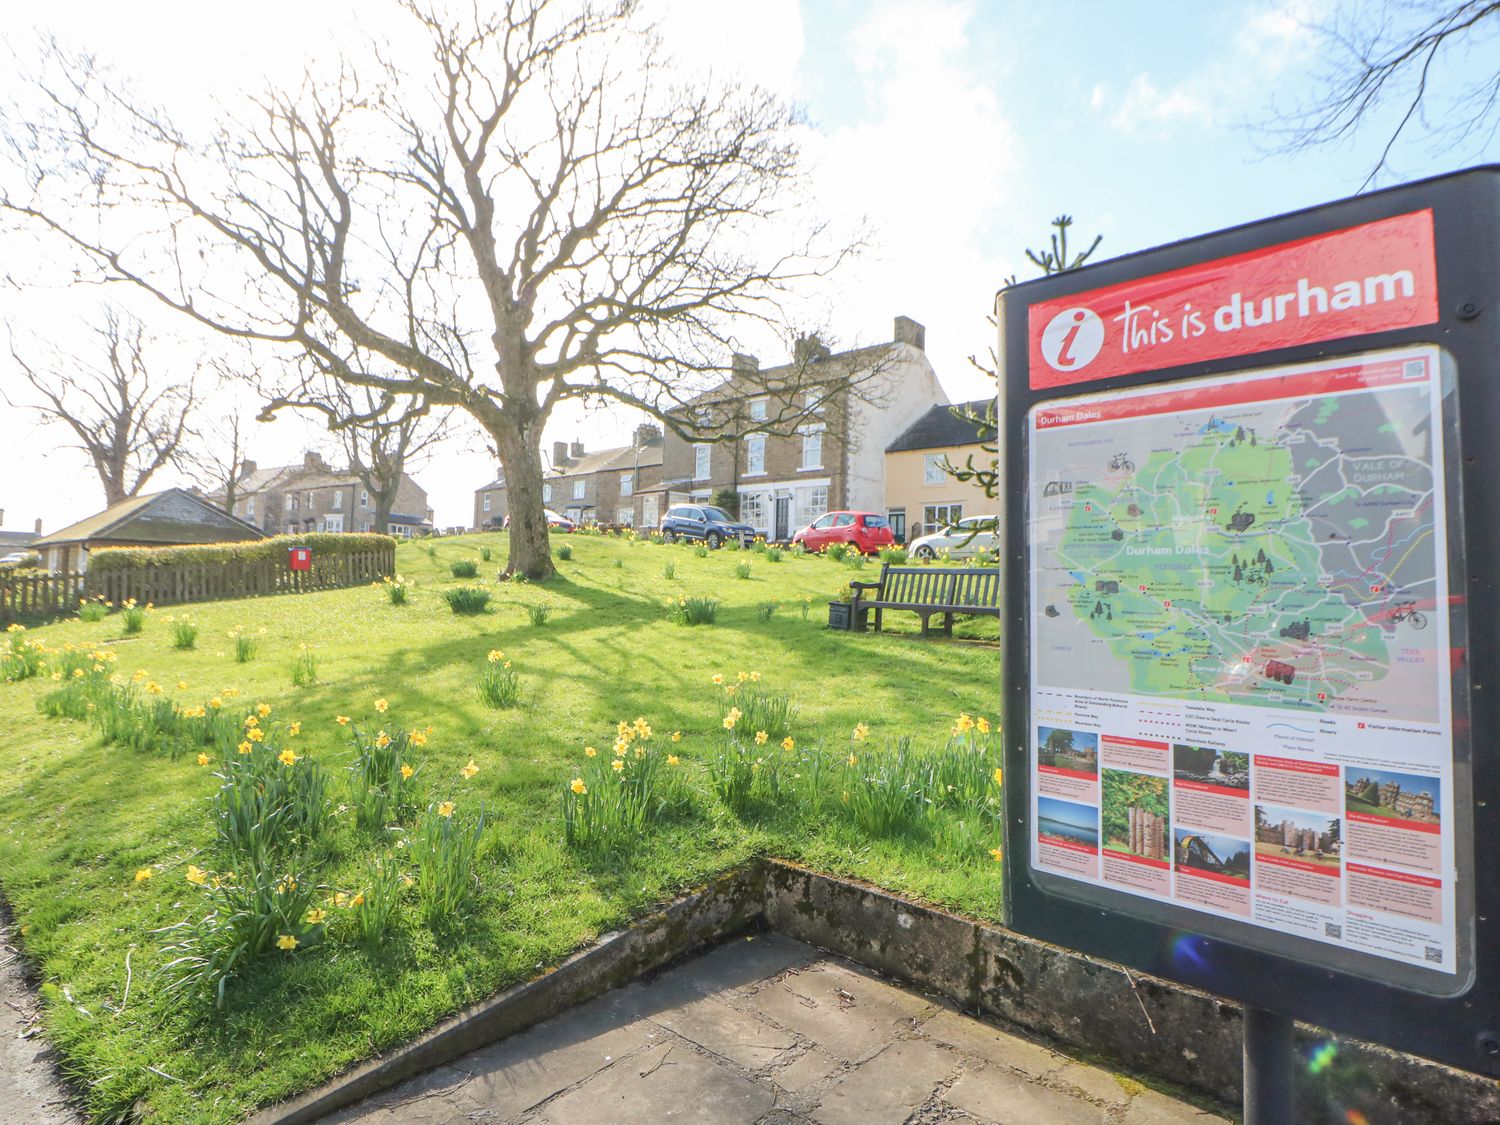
[1072, 339]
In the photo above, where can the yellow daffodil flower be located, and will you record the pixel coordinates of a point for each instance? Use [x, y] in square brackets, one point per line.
[998, 854]
[618, 764]
[287, 942]
[469, 770]
[761, 737]
[382, 740]
[406, 772]
[578, 786]
[982, 725]
[382, 706]
[315, 916]
[143, 874]
[287, 758]
[718, 678]
[788, 743]
[342, 720]
[852, 760]
[589, 752]
[496, 656]
[999, 776]
[673, 760]
[244, 747]
[203, 759]
[216, 703]
[294, 729]
[445, 809]
[262, 709]
[676, 736]
[417, 738]
[359, 899]
[861, 732]
[255, 734]
[182, 685]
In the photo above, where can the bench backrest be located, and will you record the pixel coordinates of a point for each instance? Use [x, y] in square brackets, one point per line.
[925, 585]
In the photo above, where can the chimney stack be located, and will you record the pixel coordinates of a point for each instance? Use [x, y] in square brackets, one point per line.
[38, 527]
[908, 331]
[577, 450]
[742, 364]
[809, 349]
[247, 467]
[559, 454]
[312, 459]
[647, 433]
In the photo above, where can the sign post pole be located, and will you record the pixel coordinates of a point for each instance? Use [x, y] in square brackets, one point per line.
[1268, 1052]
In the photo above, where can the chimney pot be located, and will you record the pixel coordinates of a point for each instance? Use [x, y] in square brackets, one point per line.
[908, 331]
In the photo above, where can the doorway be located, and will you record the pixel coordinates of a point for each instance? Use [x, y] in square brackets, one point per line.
[783, 525]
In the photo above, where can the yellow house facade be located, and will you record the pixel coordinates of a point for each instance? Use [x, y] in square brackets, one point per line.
[920, 496]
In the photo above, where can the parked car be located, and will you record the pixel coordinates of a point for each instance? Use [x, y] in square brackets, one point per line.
[554, 521]
[966, 539]
[703, 521]
[17, 559]
[866, 532]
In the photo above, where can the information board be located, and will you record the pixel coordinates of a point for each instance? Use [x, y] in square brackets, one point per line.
[1240, 652]
[1251, 525]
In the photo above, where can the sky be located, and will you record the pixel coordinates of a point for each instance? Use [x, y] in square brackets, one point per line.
[953, 131]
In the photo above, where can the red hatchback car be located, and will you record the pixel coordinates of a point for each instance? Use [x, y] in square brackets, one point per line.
[866, 532]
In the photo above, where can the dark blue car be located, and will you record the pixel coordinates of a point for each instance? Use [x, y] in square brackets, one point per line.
[705, 522]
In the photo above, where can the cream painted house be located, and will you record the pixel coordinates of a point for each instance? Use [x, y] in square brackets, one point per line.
[920, 495]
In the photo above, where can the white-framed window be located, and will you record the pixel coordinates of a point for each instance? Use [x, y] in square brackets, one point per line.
[650, 507]
[546, 494]
[486, 501]
[309, 501]
[291, 501]
[753, 510]
[625, 517]
[338, 500]
[810, 504]
[250, 508]
[935, 516]
[813, 401]
[701, 454]
[932, 468]
[578, 487]
[291, 529]
[627, 485]
[755, 455]
[812, 448]
[364, 498]
[333, 523]
[757, 410]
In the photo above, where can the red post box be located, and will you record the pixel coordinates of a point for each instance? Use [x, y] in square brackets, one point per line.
[299, 558]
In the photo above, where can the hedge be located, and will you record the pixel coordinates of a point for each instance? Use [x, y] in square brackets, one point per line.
[325, 545]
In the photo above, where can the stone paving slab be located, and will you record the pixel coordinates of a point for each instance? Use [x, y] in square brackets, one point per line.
[30, 1089]
[769, 1032]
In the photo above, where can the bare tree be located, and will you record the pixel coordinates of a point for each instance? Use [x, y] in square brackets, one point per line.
[381, 435]
[604, 232]
[1388, 66]
[986, 473]
[218, 459]
[129, 423]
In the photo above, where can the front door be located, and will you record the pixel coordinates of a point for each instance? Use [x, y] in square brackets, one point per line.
[896, 517]
[783, 528]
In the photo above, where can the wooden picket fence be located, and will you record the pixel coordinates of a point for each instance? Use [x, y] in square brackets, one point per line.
[51, 595]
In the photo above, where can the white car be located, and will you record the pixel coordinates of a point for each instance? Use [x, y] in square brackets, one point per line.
[976, 535]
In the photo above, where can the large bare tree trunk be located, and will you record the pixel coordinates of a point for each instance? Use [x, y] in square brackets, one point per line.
[530, 547]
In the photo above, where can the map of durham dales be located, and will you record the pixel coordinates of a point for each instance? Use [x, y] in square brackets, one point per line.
[1264, 541]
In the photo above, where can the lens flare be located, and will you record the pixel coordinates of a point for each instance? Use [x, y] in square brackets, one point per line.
[1321, 1057]
[1188, 954]
[1354, 1117]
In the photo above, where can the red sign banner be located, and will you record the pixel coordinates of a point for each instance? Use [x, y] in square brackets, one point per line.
[1370, 278]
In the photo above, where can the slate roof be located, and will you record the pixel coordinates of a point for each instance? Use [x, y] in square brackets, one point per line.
[17, 538]
[941, 428]
[105, 524]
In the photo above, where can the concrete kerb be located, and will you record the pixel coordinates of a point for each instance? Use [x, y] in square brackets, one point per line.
[1143, 1025]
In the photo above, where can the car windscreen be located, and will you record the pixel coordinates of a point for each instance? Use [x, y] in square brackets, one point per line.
[876, 521]
[717, 515]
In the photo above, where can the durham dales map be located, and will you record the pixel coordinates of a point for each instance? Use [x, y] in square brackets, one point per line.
[1268, 540]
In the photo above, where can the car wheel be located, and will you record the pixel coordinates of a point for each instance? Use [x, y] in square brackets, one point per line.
[669, 535]
[714, 540]
[925, 552]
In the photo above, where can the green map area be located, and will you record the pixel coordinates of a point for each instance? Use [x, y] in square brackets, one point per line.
[1270, 554]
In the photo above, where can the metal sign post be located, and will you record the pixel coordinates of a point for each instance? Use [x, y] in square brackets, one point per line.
[1257, 507]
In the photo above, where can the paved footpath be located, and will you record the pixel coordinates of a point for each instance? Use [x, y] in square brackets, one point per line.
[769, 1031]
[29, 1087]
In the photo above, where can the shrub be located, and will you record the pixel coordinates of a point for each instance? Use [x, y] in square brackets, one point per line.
[565, 552]
[91, 612]
[773, 554]
[324, 545]
[836, 551]
[766, 610]
[619, 564]
[484, 554]
[539, 613]
[431, 551]
[742, 570]
[260, 914]
[895, 556]
[669, 571]
[398, 589]
[701, 551]
[797, 549]
[855, 561]
[695, 610]
[184, 633]
[499, 686]
[467, 599]
[304, 667]
[23, 657]
[733, 544]
[464, 568]
[445, 848]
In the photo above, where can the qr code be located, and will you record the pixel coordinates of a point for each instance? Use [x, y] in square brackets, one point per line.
[1333, 930]
[1435, 955]
[1414, 369]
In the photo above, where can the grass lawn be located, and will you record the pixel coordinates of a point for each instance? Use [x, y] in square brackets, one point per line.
[79, 819]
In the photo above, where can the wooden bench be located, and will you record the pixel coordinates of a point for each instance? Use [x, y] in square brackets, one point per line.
[928, 591]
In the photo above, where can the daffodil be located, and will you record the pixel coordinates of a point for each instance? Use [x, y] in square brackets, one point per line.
[255, 734]
[143, 874]
[998, 854]
[673, 760]
[287, 758]
[999, 776]
[964, 723]
[287, 942]
[152, 688]
[359, 899]
[469, 770]
[861, 732]
[718, 678]
[788, 743]
[182, 685]
[406, 772]
[417, 738]
[618, 764]
[852, 760]
[761, 737]
[755, 677]
[382, 740]
[578, 786]
[342, 720]
[676, 736]
[589, 752]
[203, 759]
[315, 916]
[216, 703]
[445, 809]
[982, 725]
[496, 656]
[382, 706]
[262, 709]
[245, 747]
[196, 875]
